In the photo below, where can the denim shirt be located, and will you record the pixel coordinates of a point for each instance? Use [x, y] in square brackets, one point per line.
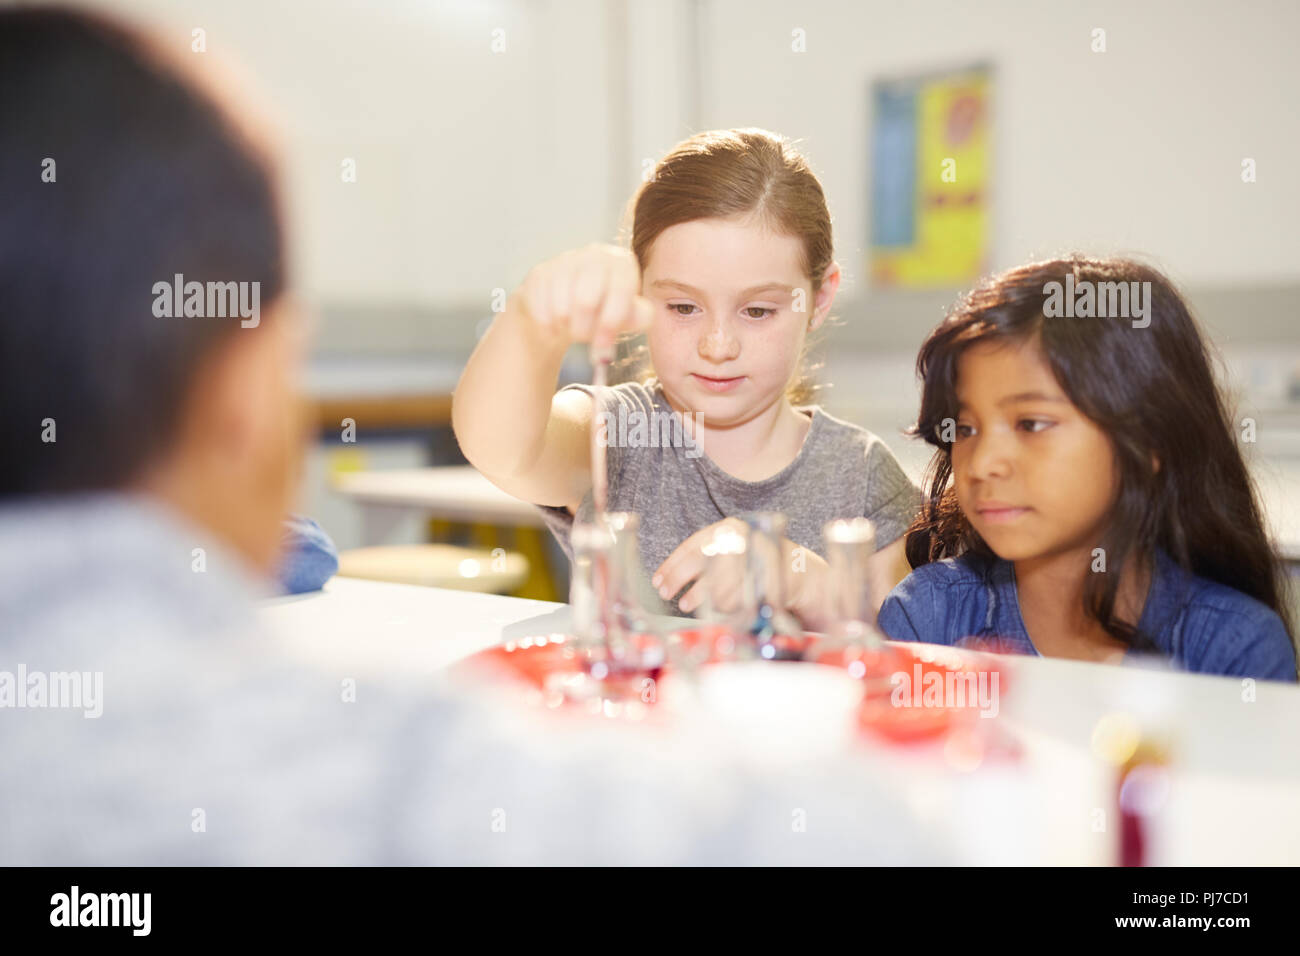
[1199, 625]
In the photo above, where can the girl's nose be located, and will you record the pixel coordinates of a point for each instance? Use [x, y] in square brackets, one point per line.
[988, 454]
[718, 343]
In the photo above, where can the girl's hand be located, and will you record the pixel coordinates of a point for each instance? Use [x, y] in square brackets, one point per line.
[591, 295]
[807, 586]
[687, 563]
[804, 577]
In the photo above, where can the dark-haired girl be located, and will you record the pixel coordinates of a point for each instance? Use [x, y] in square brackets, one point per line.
[1087, 498]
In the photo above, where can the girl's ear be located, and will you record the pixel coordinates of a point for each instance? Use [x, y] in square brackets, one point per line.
[825, 295]
[1155, 464]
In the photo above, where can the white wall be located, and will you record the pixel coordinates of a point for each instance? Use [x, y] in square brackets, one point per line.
[471, 165]
[1135, 149]
[474, 165]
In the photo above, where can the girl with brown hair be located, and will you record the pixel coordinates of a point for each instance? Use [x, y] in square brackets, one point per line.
[730, 268]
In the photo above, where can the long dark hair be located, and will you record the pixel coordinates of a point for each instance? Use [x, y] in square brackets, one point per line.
[1152, 390]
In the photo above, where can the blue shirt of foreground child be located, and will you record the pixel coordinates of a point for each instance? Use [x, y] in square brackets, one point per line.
[308, 556]
[1202, 626]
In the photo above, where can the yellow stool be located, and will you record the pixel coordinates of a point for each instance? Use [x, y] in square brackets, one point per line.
[540, 584]
[438, 565]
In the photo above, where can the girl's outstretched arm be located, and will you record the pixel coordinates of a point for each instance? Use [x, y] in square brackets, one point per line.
[528, 439]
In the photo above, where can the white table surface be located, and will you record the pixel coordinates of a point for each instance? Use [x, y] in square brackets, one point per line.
[1235, 777]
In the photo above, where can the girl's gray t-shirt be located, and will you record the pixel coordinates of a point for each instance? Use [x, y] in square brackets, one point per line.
[658, 471]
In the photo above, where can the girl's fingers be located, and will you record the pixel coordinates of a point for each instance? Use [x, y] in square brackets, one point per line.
[687, 562]
[726, 597]
[587, 295]
[643, 312]
[692, 598]
[727, 579]
[616, 310]
[661, 573]
[537, 298]
[676, 577]
[589, 290]
[679, 569]
[561, 293]
[801, 584]
[722, 591]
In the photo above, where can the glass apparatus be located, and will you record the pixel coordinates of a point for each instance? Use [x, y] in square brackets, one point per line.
[613, 633]
[772, 631]
[850, 543]
[852, 640]
[721, 615]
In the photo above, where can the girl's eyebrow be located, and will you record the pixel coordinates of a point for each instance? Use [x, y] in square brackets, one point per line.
[1030, 397]
[1019, 397]
[744, 294]
[766, 287]
[674, 284]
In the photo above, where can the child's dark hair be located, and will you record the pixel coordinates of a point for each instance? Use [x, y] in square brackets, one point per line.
[117, 171]
[1183, 485]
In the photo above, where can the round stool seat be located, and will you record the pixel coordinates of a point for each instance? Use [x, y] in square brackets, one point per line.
[438, 566]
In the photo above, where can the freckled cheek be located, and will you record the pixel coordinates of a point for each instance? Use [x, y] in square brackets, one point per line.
[670, 347]
[772, 351]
